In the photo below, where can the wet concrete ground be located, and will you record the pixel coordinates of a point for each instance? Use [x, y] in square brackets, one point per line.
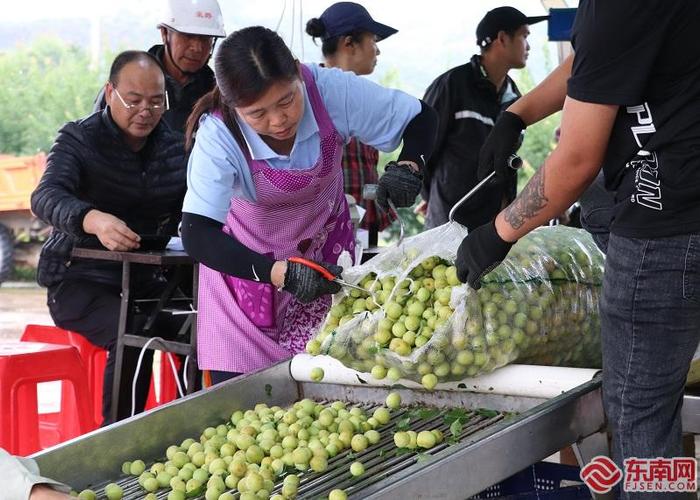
[21, 304]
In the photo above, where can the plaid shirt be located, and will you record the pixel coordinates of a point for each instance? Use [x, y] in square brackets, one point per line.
[360, 168]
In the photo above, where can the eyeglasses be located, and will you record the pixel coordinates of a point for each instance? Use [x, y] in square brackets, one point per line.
[154, 108]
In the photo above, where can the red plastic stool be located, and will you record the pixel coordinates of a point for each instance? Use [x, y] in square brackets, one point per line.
[22, 366]
[168, 385]
[94, 358]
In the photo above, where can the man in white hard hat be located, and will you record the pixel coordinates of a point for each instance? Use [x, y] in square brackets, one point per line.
[188, 29]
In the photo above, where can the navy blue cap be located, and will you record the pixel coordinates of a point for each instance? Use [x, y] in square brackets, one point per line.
[502, 19]
[343, 18]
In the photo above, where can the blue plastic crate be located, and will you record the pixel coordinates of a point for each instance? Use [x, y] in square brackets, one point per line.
[543, 481]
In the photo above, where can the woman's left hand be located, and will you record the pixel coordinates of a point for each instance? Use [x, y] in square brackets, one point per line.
[401, 183]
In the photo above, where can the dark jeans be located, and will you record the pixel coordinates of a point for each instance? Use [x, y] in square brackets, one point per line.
[650, 321]
[598, 211]
[92, 310]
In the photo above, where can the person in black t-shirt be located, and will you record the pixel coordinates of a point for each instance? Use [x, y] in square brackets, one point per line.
[631, 103]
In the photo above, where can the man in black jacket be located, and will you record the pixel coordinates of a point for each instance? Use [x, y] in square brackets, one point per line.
[468, 99]
[188, 29]
[109, 177]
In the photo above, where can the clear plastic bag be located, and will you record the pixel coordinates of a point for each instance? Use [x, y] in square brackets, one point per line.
[418, 321]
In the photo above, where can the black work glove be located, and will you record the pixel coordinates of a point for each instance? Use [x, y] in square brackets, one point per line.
[502, 141]
[400, 184]
[479, 254]
[307, 284]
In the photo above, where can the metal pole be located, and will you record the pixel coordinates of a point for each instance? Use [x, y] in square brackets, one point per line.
[514, 162]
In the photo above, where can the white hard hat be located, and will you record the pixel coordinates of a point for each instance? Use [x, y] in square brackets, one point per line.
[194, 17]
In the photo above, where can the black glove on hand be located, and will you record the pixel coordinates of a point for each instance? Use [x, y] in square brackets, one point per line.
[307, 284]
[502, 141]
[400, 184]
[479, 253]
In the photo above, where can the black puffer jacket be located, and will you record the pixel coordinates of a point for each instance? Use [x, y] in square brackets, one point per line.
[90, 166]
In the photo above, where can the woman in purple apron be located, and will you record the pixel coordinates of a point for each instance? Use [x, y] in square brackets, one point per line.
[265, 184]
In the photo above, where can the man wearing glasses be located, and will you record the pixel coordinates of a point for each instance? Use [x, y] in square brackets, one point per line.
[188, 29]
[109, 178]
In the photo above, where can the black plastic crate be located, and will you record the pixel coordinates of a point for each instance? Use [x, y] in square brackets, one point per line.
[543, 480]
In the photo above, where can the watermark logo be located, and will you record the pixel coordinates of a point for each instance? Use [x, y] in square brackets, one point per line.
[671, 475]
[678, 474]
[601, 474]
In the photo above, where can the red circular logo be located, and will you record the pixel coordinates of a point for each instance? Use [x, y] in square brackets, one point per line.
[601, 474]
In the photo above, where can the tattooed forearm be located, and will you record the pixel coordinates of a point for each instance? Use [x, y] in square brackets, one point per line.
[528, 203]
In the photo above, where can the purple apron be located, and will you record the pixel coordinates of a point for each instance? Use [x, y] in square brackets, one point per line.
[244, 325]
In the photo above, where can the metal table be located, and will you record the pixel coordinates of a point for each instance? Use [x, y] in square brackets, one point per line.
[490, 448]
[691, 411]
[178, 260]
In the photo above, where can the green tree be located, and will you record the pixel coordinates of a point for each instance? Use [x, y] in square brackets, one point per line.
[42, 86]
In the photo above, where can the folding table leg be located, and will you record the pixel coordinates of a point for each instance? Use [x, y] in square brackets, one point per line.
[121, 330]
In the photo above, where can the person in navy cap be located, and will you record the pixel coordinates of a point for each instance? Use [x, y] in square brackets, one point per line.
[349, 39]
[469, 98]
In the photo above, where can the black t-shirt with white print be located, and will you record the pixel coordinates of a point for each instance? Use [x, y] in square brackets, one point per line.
[645, 57]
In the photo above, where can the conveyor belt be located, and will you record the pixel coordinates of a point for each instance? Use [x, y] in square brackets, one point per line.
[490, 447]
[381, 460]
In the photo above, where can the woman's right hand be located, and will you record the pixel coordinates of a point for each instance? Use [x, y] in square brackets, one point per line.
[112, 232]
[307, 284]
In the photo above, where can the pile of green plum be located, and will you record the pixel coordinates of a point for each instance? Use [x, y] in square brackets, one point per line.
[539, 307]
[256, 449]
[554, 275]
[411, 309]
